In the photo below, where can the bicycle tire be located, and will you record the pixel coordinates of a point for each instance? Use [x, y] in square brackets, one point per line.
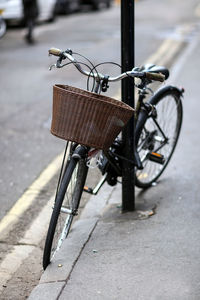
[68, 197]
[168, 104]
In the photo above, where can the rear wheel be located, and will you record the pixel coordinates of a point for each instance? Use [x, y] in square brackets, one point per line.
[65, 207]
[159, 135]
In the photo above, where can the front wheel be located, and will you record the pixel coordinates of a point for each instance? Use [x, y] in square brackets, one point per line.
[65, 207]
[159, 135]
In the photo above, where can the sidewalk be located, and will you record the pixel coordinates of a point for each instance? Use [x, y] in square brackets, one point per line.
[140, 255]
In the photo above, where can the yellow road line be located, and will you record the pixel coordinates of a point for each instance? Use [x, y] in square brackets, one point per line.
[168, 50]
[30, 195]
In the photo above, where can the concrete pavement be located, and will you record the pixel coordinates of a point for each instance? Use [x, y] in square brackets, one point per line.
[152, 253]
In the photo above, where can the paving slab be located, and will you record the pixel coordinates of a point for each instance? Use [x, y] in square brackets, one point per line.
[47, 291]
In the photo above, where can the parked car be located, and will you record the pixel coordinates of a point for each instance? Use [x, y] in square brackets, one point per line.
[67, 6]
[13, 10]
[97, 3]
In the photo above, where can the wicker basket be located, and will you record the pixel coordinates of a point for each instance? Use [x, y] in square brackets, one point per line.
[87, 118]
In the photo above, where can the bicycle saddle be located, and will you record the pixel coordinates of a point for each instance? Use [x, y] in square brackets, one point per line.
[155, 69]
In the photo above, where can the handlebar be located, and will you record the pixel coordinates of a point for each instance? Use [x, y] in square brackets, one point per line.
[68, 54]
[55, 51]
[155, 76]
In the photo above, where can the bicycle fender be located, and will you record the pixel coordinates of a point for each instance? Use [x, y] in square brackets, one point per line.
[160, 93]
[80, 152]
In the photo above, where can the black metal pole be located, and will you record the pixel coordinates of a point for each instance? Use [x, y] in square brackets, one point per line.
[127, 58]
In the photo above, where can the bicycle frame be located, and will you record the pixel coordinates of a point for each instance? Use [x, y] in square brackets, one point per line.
[141, 106]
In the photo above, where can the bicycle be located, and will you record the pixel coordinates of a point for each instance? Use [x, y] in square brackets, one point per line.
[157, 127]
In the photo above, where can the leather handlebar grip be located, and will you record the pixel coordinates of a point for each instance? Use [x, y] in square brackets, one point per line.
[55, 51]
[155, 76]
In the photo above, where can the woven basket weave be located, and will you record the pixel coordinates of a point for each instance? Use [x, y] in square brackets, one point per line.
[87, 118]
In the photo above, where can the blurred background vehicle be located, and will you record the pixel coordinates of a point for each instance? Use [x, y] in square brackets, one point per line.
[96, 4]
[13, 10]
[67, 6]
[2, 24]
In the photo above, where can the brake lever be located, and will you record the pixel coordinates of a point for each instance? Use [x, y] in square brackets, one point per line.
[57, 64]
[51, 67]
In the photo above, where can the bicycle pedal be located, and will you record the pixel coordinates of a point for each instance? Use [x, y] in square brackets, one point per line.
[156, 157]
[88, 190]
